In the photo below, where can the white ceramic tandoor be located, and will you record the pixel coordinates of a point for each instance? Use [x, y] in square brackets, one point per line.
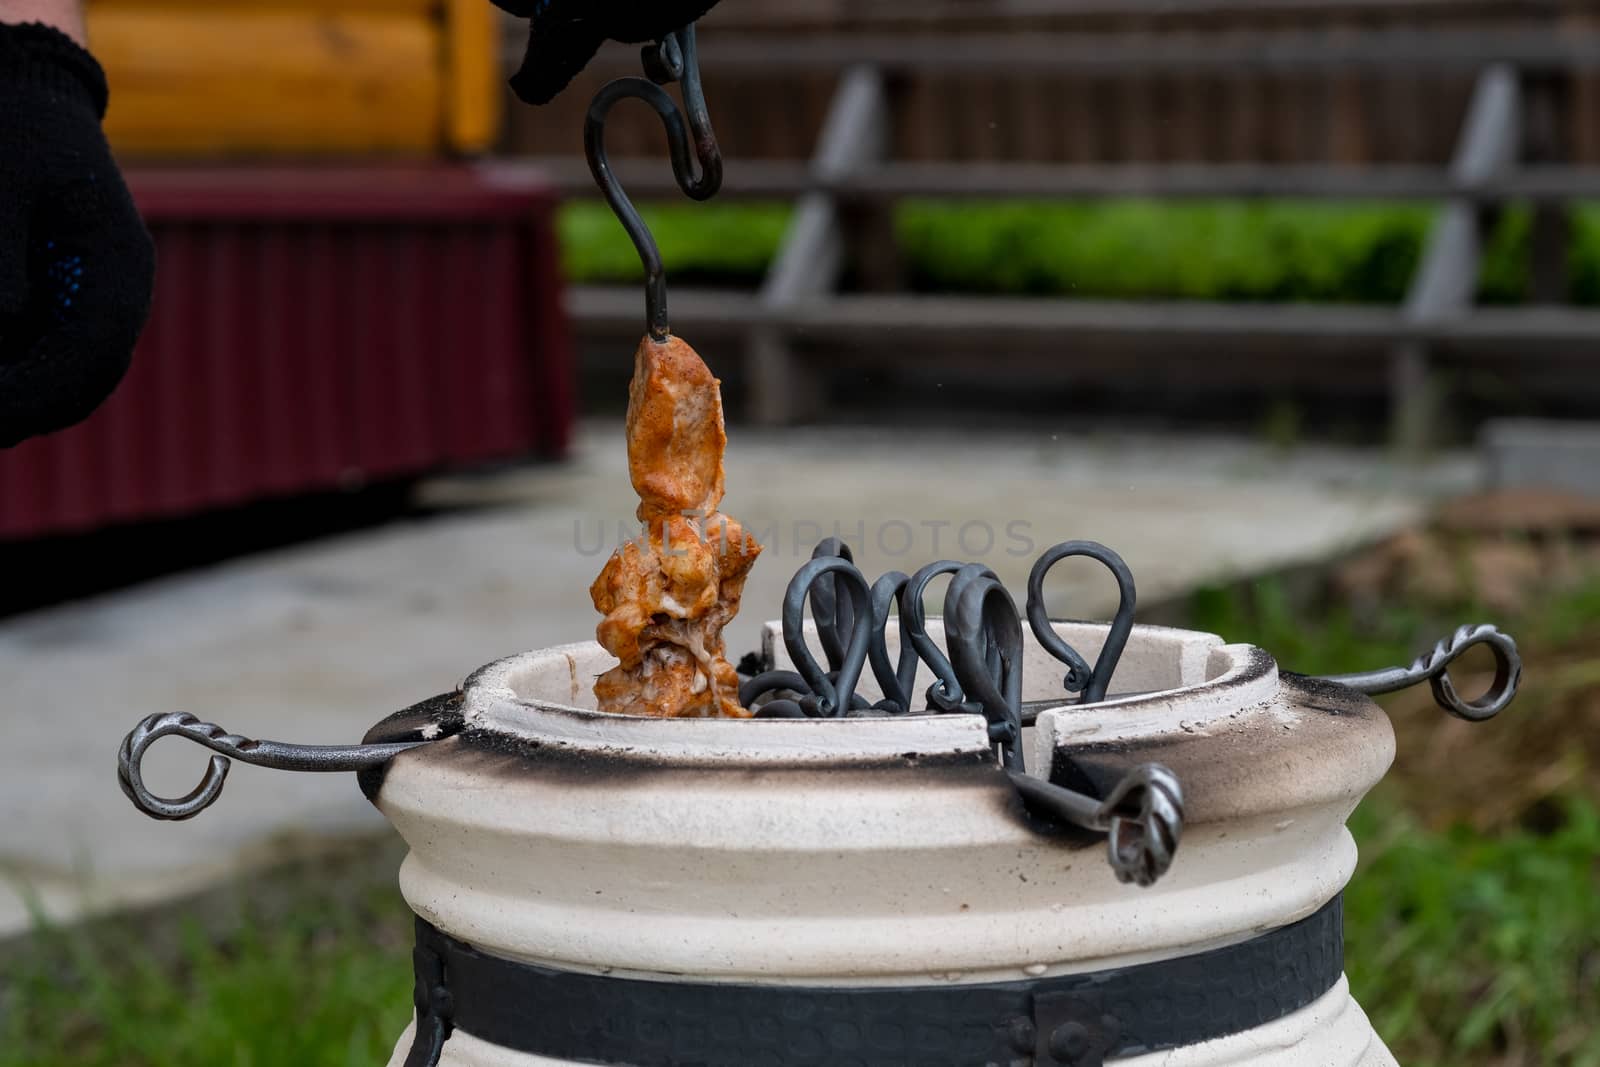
[888, 854]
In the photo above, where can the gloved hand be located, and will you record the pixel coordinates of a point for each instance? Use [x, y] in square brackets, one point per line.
[76, 264]
[567, 33]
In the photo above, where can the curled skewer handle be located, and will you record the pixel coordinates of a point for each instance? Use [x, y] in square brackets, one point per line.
[673, 60]
[984, 632]
[945, 693]
[1433, 667]
[677, 59]
[1092, 682]
[1142, 818]
[771, 682]
[834, 693]
[229, 747]
[895, 678]
[834, 615]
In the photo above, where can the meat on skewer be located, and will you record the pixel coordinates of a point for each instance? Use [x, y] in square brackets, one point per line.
[667, 595]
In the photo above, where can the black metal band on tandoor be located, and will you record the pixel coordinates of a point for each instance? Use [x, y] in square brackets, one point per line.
[1078, 1020]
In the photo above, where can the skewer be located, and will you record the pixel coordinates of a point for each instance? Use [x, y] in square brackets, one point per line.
[674, 59]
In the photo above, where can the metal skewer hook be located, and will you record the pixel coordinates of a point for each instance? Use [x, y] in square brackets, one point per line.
[1142, 817]
[1433, 667]
[673, 59]
[274, 754]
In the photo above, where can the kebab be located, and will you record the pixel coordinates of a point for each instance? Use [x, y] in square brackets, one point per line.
[668, 594]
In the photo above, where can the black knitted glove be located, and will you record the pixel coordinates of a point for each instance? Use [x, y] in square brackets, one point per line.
[567, 33]
[76, 265]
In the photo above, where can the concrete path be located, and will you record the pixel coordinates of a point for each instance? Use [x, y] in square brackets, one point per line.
[314, 644]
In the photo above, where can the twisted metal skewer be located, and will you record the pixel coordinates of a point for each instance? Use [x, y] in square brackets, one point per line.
[980, 673]
[1433, 667]
[272, 754]
[1142, 817]
[673, 59]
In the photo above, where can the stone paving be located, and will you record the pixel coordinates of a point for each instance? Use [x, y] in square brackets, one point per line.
[315, 643]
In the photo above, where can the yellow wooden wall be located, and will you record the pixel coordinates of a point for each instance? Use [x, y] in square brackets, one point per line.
[218, 78]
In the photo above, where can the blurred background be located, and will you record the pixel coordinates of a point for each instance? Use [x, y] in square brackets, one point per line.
[1292, 302]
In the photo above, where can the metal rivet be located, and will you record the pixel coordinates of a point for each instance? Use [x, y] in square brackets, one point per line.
[1069, 1041]
[1020, 1032]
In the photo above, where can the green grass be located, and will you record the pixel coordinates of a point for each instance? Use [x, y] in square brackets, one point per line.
[1335, 638]
[324, 983]
[1265, 614]
[1117, 249]
[1466, 948]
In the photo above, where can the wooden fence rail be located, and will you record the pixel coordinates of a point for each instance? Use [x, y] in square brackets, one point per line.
[846, 193]
[1529, 50]
[890, 181]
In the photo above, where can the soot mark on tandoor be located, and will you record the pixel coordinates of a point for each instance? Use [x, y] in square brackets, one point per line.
[439, 716]
[506, 755]
[1319, 694]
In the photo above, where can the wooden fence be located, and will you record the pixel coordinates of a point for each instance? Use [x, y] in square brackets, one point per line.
[1510, 137]
[1299, 96]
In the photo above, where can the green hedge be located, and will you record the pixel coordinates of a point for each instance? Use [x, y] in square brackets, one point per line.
[1125, 249]
[1507, 258]
[706, 244]
[1196, 251]
[1583, 258]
